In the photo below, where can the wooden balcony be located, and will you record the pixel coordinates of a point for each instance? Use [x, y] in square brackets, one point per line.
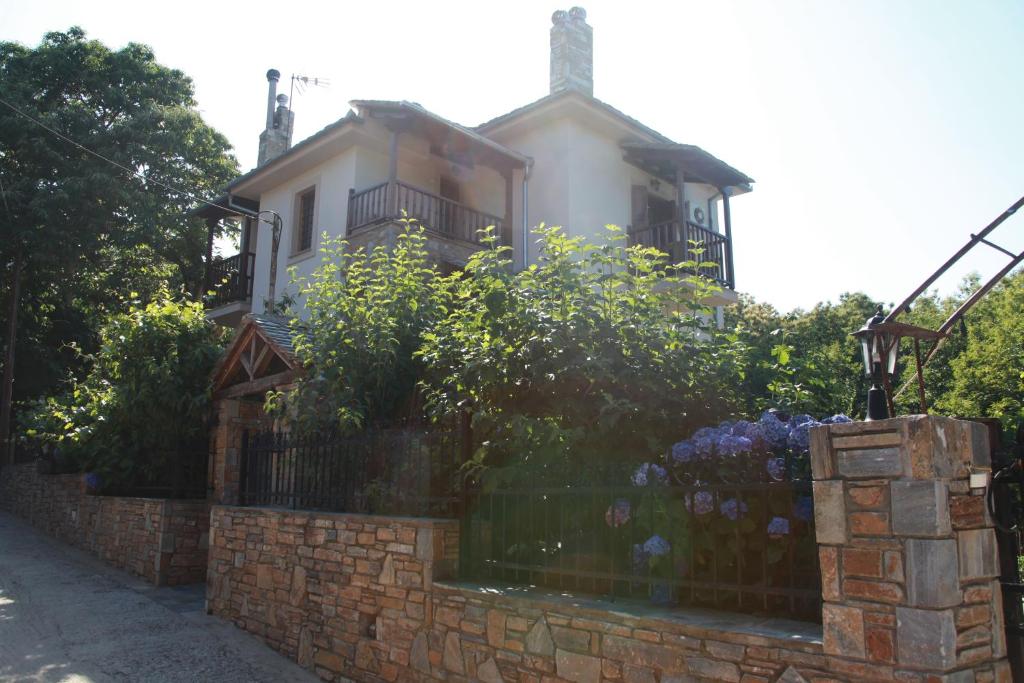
[386, 202]
[675, 238]
[230, 279]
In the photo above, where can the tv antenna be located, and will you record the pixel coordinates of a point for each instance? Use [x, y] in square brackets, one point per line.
[303, 83]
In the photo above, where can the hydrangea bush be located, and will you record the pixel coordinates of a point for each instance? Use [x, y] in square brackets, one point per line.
[695, 513]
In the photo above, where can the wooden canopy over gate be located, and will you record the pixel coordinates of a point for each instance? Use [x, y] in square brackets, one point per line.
[261, 357]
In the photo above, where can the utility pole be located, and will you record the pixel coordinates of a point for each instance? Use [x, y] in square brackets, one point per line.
[7, 396]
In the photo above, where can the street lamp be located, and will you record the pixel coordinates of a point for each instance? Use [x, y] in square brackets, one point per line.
[879, 348]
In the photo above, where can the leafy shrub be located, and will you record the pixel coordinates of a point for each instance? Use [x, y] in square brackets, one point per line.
[145, 398]
[596, 353]
[367, 314]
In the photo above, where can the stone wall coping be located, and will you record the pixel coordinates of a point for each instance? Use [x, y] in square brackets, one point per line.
[691, 621]
[420, 522]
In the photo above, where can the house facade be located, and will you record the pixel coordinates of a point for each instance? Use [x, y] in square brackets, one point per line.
[567, 159]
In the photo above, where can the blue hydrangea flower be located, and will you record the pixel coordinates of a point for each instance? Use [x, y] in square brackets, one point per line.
[750, 430]
[640, 559]
[779, 526]
[803, 508]
[733, 508]
[650, 474]
[776, 432]
[683, 452]
[800, 437]
[776, 468]
[798, 420]
[703, 502]
[836, 420]
[704, 440]
[93, 481]
[656, 546]
[733, 445]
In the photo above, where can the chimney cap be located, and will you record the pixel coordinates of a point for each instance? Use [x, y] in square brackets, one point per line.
[282, 100]
[273, 75]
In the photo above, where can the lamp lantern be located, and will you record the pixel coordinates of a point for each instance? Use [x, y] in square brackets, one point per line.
[879, 349]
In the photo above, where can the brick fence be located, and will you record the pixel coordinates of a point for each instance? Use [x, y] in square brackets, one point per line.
[164, 541]
[908, 566]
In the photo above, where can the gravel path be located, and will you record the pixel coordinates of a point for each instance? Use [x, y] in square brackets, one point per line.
[65, 616]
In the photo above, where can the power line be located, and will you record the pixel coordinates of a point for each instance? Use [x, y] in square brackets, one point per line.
[133, 172]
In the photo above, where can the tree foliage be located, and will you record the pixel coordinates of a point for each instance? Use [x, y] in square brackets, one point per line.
[90, 232]
[145, 397]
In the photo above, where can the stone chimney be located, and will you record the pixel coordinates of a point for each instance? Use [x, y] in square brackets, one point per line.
[572, 52]
[277, 137]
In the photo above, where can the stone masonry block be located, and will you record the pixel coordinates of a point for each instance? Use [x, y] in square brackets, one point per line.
[822, 466]
[920, 508]
[843, 631]
[830, 512]
[979, 558]
[931, 573]
[926, 638]
[869, 463]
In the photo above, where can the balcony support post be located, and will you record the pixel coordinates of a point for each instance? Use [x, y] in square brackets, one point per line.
[211, 227]
[392, 191]
[506, 228]
[730, 278]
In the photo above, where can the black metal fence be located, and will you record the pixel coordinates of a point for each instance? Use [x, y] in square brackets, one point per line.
[403, 470]
[739, 538]
[177, 474]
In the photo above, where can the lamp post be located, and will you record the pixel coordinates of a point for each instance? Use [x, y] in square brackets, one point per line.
[879, 348]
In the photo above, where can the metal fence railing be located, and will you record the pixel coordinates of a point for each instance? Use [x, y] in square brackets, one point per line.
[740, 540]
[403, 470]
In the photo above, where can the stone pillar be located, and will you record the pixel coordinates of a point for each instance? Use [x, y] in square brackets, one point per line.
[908, 555]
[572, 52]
[234, 416]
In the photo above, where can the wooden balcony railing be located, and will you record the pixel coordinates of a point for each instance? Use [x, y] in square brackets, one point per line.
[444, 216]
[675, 237]
[230, 279]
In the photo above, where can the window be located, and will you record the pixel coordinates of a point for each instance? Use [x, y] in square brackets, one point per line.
[304, 224]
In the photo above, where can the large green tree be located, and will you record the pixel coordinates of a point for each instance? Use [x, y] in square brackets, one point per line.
[84, 233]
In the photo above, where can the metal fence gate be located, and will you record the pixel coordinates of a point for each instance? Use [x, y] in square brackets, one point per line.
[1006, 506]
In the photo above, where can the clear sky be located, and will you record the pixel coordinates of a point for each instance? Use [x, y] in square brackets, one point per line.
[880, 132]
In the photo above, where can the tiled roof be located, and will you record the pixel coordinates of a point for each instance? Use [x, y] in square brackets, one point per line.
[537, 104]
[277, 328]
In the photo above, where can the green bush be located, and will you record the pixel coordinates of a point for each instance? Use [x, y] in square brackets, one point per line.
[367, 312]
[596, 354]
[145, 397]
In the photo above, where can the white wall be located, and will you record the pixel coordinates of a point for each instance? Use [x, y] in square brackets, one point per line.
[332, 180]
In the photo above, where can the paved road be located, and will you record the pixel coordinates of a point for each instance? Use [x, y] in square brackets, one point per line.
[65, 616]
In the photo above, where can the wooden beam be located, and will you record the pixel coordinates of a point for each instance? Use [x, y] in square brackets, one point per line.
[256, 386]
[731, 276]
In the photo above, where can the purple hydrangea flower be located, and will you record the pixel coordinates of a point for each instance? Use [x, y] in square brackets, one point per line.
[776, 432]
[776, 468]
[656, 546]
[650, 474]
[703, 502]
[836, 420]
[733, 508]
[800, 437]
[803, 508]
[733, 445]
[779, 526]
[618, 513]
[683, 452]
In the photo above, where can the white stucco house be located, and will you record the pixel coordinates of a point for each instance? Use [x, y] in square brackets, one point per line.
[566, 159]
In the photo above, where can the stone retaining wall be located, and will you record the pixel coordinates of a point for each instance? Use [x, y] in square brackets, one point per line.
[164, 541]
[357, 597]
